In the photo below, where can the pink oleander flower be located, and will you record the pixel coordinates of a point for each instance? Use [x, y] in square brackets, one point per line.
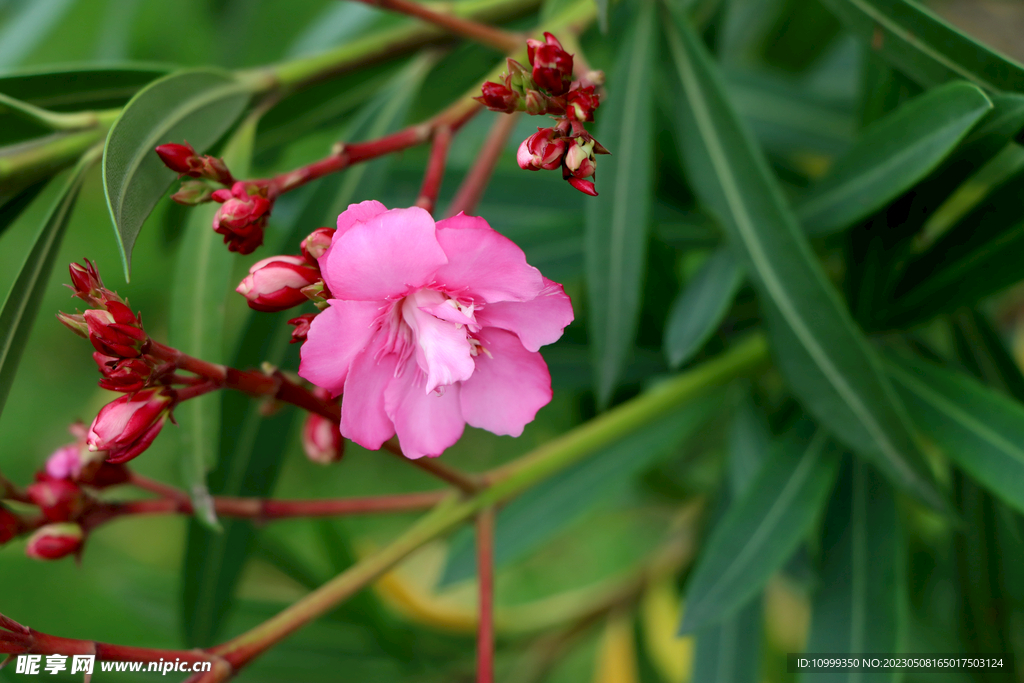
[431, 326]
[126, 426]
[275, 283]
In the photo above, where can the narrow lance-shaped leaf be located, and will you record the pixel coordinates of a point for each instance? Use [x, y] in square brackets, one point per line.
[197, 106]
[762, 528]
[730, 651]
[981, 430]
[616, 238]
[859, 606]
[925, 47]
[820, 350]
[201, 286]
[26, 294]
[540, 513]
[891, 156]
[701, 305]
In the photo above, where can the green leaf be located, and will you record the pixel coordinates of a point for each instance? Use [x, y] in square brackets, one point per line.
[197, 106]
[891, 156]
[749, 445]
[762, 529]
[616, 238]
[975, 258]
[980, 430]
[540, 513]
[26, 294]
[983, 353]
[701, 305]
[860, 604]
[11, 209]
[820, 350]
[202, 282]
[925, 47]
[730, 652]
[69, 89]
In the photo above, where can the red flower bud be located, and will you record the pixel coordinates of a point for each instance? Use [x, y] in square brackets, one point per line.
[275, 283]
[542, 150]
[59, 499]
[116, 331]
[241, 218]
[54, 541]
[10, 525]
[581, 103]
[126, 426]
[122, 374]
[302, 324]
[321, 440]
[86, 282]
[498, 97]
[181, 159]
[315, 246]
[65, 463]
[552, 66]
[584, 186]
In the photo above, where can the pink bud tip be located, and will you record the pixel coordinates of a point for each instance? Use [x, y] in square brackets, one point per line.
[316, 245]
[275, 283]
[126, 426]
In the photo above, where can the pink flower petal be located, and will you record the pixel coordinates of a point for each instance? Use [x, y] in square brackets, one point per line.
[363, 418]
[359, 213]
[384, 257]
[426, 423]
[509, 386]
[443, 350]
[537, 322]
[334, 339]
[484, 263]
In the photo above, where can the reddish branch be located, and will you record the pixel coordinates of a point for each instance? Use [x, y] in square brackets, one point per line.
[435, 169]
[485, 577]
[472, 188]
[502, 41]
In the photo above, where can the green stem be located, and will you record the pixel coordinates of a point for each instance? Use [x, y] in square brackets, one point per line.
[745, 358]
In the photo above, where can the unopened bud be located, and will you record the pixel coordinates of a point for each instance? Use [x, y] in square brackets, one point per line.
[552, 66]
[86, 282]
[302, 324]
[181, 159]
[122, 374]
[321, 440]
[579, 159]
[241, 217]
[275, 283]
[498, 97]
[193, 193]
[10, 525]
[518, 79]
[116, 331]
[542, 150]
[316, 245]
[126, 426]
[537, 103]
[54, 541]
[581, 103]
[59, 500]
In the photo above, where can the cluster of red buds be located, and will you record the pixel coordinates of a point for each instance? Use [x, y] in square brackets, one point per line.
[547, 88]
[64, 492]
[245, 206]
[127, 426]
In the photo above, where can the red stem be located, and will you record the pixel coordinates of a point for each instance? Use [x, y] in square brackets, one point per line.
[454, 117]
[472, 188]
[502, 41]
[261, 509]
[435, 169]
[485, 576]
